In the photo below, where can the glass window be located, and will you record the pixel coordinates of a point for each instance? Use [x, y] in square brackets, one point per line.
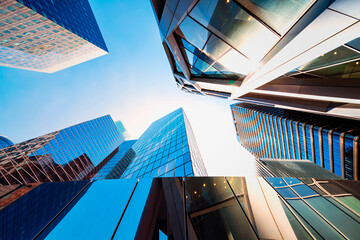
[336, 153]
[279, 15]
[326, 149]
[222, 221]
[318, 223]
[354, 43]
[11, 8]
[303, 190]
[333, 214]
[345, 70]
[349, 156]
[338, 55]
[308, 142]
[229, 21]
[317, 145]
[131, 219]
[101, 220]
[286, 192]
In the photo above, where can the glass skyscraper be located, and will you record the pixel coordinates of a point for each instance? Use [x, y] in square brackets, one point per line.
[275, 133]
[167, 149]
[48, 36]
[182, 208]
[68, 154]
[284, 53]
[96, 149]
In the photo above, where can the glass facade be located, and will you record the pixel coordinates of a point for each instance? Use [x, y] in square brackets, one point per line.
[48, 36]
[329, 142]
[5, 142]
[341, 62]
[96, 149]
[65, 155]
[166, 149]
[182, 208]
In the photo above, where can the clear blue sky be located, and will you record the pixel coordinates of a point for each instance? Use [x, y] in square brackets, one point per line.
[133, 83]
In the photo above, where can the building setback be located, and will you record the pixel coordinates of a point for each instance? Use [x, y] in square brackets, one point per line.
[275, 133]
[48, 36]
[287, 54]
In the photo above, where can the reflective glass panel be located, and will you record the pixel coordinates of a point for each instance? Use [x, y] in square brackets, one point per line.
[345, 70]
[97, 213]
[233, 24]
[279, 15]
[214, 211]
[131, 219]
[338, 55]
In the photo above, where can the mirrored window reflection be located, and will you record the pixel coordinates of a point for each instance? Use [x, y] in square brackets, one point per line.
[238, 184]
[326, 217]
[207, 45]
[354, 44]
[279, 15]
[345, 70]
[214, 211]
[97, 213]
[338, 55]
[130, 221]
[297, 227]
[194, 33]
[230, 22]
[204, 64]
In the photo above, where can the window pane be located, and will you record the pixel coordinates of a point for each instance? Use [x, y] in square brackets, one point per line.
[279, 15]
[233, 24]
[338, 55]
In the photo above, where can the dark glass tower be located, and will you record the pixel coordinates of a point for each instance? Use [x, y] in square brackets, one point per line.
[48, 36]
[274, 133]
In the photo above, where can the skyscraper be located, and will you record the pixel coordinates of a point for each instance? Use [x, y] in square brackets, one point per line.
[275, 133]
[166, 149]
[48, 36]
[96, 150]
[287, 54]
[64, 155]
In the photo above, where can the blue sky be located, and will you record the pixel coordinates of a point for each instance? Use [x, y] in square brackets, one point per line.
[133, 83]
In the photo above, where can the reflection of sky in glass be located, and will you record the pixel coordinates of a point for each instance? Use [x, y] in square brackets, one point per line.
[96, 138]
[96, 215]
[34, 42]
[163, 149]
[129, 223]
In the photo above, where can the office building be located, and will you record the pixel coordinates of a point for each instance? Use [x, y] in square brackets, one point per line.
[275, 133]
[96, 150]
[48, 36]
[65, 155]
[182, 208]
[5, 142]
[300, 55]
[166, 149]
